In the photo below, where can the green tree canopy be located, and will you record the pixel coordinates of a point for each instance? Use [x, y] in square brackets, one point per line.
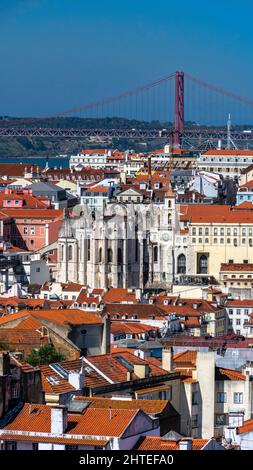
[44, 355]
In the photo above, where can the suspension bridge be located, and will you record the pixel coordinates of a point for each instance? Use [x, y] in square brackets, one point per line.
[179, 107]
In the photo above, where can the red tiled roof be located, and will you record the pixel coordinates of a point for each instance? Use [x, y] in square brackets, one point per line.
[32, 213]
[237, 267]
[230, 374]
[92, 422]
[119, 295]
[118, 327]
[158, 443]
[148, 406]
[63, 317]
[246, 427]
[232, 152]
[203, 213]
[185, 357]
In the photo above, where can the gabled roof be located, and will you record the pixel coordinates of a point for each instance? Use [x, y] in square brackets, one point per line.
[185, 358]
[92, 422]
[63, 317]
[154, 407]
[228, 374]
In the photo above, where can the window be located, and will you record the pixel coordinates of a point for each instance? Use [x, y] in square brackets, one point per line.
[25, 230]
[71, 447]
[215, 231]
[221, 420]
[230, 261]
[194, 398]
[221, 397]
[200, 231]
[238, 398]
[222, 232]
[70, 252]
[215, 240]
[181, 264]
[202, 264]
[155, 254]
[15, 392]
[228, 232]
[238, 321]
[32, 242]
[88, 249]
[162, 395]
[37, 270]
[32, 231]
[35, 446]
[100, 255]
[109, 255]
[193, 231]
[228, 241]
[11, 445]
[194, 421]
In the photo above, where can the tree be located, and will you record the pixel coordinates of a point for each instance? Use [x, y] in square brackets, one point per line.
[44, 355]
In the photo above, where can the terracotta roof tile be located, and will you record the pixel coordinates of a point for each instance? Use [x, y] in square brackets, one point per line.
[92, 422]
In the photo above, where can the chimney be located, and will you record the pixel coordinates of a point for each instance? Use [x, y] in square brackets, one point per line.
[106, 338]
[167, 359]
[138, 294]
[141, 370]
[76, 379]
[185, 444]
[59, 419]
[4, 363]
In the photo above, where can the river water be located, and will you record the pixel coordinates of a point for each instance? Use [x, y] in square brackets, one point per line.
[59, 162]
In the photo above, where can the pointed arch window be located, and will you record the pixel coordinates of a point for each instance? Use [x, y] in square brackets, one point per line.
[70, 252]
[181, 264]
[155, 254]
[109, 255]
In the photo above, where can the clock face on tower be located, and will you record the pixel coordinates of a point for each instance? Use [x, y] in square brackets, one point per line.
[165, 237]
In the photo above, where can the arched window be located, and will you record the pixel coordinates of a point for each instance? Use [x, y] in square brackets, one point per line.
[181, 264]
[100, 255]
[70, 252]
[109, 255]
[202, 265]
[169, 219]
[155, 254]
[120, 259]
[169, 203]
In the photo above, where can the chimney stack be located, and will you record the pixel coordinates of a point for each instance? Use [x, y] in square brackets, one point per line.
[185, 444]
[59, 419]
[167, 359]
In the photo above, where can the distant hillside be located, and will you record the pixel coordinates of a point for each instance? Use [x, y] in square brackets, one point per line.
[39, 147]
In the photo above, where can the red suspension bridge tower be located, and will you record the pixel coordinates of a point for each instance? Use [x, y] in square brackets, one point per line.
[179, 106]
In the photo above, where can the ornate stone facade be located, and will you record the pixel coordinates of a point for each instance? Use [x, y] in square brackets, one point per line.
[126, 245]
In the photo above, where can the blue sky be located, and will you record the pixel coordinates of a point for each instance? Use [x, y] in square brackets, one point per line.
[57, 54]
